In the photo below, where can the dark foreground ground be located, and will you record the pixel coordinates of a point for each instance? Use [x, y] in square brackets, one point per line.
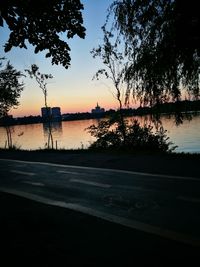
[34, 234]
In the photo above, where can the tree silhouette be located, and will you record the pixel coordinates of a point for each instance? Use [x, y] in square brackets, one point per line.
[116, 133]
[10, 90]
[115, 66]
[162, 41]
[42, 23]
[41, 79]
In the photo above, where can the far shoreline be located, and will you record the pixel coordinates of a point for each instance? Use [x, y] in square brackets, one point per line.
[186, 107]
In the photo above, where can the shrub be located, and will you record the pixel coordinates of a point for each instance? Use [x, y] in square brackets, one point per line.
[108, 134]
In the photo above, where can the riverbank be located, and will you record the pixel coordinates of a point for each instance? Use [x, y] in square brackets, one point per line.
[35, 234]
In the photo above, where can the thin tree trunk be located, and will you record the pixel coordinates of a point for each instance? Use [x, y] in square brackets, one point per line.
[9, 136]
[122, 123]
[50, 136]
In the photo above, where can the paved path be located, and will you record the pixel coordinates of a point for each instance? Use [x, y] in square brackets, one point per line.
[167, 206]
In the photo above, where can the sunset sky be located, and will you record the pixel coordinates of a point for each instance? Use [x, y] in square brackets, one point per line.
[73, 89]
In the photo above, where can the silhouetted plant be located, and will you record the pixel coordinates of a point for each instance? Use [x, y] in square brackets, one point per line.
[115, 66]
[162, 42]
[41, 79]
[109, 136]
[116, 133]
[10, 91]
[41, 23]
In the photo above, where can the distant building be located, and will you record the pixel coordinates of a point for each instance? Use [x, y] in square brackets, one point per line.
[56, 113]
[98, 110]
[53, 113]
[45, 112]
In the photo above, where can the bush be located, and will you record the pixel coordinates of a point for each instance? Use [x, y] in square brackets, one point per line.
[108, 134]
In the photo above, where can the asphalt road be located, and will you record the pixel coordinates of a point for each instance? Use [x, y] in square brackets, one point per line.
[168, 206]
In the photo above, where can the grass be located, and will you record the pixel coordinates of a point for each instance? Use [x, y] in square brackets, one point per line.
[106, 151]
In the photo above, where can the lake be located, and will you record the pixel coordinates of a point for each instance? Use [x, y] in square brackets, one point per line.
[72, 134]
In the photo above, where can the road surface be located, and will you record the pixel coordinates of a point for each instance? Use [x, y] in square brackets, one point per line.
[168, 206]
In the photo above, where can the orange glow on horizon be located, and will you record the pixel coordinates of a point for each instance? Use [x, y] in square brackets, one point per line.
[76, 99]
[22, 111]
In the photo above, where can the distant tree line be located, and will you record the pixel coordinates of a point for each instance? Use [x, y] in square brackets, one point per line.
[169, 108]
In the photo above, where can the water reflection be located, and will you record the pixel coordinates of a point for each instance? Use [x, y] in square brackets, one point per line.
[56, 130]
[72, 134]
[32, 137]
[56, 127]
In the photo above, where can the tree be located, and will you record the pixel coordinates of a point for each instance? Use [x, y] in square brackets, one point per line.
[115, 66]
[116, 133]
[41, 23]
[41, 79]
[162, 41]
[10, 90]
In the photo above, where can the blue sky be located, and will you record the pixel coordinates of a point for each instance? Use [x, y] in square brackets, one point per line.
[73, 89]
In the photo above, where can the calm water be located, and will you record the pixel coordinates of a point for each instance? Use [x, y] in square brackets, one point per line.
[71, 134]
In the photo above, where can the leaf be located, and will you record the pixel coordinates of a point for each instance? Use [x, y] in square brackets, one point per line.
[37, 49]
[1, 22]
[48, 55]
[7, 47]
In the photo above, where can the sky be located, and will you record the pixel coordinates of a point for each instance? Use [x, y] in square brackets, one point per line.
[71, 89]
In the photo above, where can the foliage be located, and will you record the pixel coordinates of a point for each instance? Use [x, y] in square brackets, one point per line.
[40, 78]
[116, 133]
[109, 136]
[115, 67]
[42, 24]
[10, 88]
[113, 61]
[162, 42]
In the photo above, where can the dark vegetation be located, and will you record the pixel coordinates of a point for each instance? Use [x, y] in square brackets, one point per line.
[109, 136]
[41, 23]
[152, 60]
[160, 43]
[10, 90]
